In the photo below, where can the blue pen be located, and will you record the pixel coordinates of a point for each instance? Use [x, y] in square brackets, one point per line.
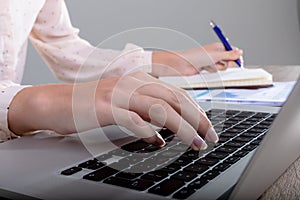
[224, 40]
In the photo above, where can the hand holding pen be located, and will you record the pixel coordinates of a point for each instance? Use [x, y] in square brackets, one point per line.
[225, 42]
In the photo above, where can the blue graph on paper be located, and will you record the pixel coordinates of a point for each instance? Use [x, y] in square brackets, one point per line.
[273, 96]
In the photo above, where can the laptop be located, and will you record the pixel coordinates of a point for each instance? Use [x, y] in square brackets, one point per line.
[257, 144]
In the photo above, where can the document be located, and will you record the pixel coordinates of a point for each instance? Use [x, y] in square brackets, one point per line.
[272, 96]
[230, 78]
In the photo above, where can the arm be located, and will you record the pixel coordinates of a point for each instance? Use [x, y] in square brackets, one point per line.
[8, 90]
[210, 57]
[126, 101]
[65, 52]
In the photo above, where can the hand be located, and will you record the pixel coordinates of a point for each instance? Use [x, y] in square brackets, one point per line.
[127, 101]
[210, 57]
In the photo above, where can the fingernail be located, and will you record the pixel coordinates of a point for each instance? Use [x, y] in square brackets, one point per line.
[240, 51]
[199, 143]
[211, 135]
[161, 142]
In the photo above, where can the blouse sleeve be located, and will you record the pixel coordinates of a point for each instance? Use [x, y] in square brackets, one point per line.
[8, 90]
[67, 54]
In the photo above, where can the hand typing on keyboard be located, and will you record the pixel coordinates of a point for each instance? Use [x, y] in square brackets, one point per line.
[131, 100]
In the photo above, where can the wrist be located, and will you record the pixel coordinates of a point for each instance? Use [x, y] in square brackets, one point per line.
[166, 63]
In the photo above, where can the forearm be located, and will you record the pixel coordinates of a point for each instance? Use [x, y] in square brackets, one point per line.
[46, 107]
[165, 63]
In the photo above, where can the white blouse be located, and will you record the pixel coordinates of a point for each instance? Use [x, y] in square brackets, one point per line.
[47, 24]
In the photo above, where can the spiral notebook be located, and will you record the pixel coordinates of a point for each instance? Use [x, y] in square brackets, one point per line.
[230, 78]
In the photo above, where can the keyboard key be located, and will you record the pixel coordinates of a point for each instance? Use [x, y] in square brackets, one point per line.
[256, 142]
[138, 184]
[100, 174]
[223, 139]
[168, 154]
[71, 171]
[198, 183]
[197, 168]
[235, 144]
[207, 161]
[210, 175]
[166, 133]
[192, 154]
[261, 115]
[184, 193]
[88, 163]
[231, 112]
[103, 157]
[254, 119]
[120, 152]
[255, 130]
[184, 176]
[245, 114]
[155, 175]
[143, 167]
[156, 160]
[182, 161]
[128, 175]
[167, 187]
[262, 127]
[180, 147]
[242, 126]
[251, 134]
[130, 160]
[151, 148]
[221, 167]
[247, 123]
[229, 134]
[232, 160]
[234, 131]
[226, 149]
[242, 139]
[249, 147]
[267, 122]
[135, 146]
[95, 166]
[217, 155]
[241, 153]
[171, 168]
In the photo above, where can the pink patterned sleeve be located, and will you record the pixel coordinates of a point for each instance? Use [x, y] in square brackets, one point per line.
[67, 54]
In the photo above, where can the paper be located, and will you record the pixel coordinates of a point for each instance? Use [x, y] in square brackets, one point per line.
[272, 96]
[232, 77]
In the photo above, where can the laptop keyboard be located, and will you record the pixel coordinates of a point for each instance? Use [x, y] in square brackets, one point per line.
[177, 171]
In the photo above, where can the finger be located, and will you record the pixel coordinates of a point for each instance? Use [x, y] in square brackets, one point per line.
[134, 123]
[147, 78]
[222, 65]
[157, 111]
[228, 55]
[210, 68]
[180, 101]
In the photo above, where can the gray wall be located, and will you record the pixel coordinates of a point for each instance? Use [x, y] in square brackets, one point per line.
[267, 30]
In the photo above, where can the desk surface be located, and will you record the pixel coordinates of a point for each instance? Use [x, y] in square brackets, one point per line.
[282, 73]
[287, 186]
